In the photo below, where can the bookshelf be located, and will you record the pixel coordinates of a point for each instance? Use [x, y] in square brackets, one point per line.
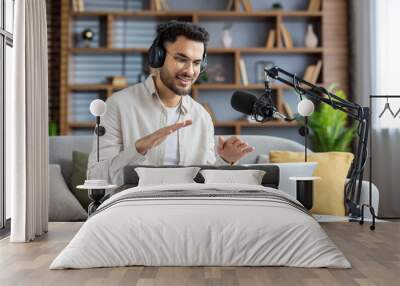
[331, 29]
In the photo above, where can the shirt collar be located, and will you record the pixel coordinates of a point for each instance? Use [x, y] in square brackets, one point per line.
[151, 88]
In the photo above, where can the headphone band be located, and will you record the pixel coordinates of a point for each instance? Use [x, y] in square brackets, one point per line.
[157, 50]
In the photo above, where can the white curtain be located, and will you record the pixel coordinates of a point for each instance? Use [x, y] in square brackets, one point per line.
[27, 124]
[386, 130]
[375, 46]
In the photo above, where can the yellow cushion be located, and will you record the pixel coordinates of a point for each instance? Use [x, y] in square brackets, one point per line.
[332, 168]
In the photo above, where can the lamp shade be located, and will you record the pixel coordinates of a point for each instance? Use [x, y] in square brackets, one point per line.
[98, 107]
[305, 107]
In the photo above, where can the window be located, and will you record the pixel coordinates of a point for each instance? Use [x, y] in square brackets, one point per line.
[6, 64]
[387, 60]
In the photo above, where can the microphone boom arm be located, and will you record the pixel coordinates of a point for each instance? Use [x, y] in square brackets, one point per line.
[353, 110]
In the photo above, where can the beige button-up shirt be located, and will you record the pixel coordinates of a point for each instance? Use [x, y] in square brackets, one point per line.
[137, 111]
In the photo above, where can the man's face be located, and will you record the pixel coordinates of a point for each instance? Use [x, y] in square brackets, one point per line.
[182, 64]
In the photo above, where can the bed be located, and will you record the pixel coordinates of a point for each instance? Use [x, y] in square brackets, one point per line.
[201, 224]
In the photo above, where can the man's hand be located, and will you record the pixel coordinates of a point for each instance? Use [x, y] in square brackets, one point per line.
[233, 149]
[154, 139]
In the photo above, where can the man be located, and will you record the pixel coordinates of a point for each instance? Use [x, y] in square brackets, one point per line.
[155, 122]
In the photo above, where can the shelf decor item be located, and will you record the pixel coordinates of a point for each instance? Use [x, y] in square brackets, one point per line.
[314, 6]
[311, 39]
[216, 73]
[78, 5]
[270, 43]
[312, 72]
[160, 5]
[87, 36]
[245, 4]
[277, 6]
[231, 5]
[118, 81]
[286, 37]
[243, 72]
[226, 37]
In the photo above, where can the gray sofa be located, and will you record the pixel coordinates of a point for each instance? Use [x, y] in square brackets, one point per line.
[61, 148]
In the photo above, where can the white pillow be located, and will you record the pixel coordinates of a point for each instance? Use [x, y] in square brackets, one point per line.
[287, 170]
[163, 176]
[249, 177]
[63, 205]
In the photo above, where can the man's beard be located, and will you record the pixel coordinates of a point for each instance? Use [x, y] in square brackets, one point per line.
[168, 81]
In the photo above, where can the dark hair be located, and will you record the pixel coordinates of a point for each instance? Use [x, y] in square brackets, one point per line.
[168, 32]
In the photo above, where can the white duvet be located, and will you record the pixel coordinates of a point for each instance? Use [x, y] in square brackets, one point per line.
[183, 231]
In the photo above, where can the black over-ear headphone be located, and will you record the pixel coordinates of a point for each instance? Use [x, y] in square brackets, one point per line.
[157, 53]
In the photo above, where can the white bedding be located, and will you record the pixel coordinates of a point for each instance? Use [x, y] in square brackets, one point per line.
[183, 231]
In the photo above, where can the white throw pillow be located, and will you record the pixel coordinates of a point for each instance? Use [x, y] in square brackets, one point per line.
[162, 176]
[248, 177]
[63, 205]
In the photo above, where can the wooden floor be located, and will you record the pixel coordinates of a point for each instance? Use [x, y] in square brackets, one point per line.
[374, 255]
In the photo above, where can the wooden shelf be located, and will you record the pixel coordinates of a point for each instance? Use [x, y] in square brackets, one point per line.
[255, 50]
[263, 50]
[78, 125]
[104, 50]
[200, 14]
[94, 87]
[108, 19]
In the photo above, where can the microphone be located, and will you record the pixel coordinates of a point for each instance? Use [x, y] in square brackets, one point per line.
[262, 108]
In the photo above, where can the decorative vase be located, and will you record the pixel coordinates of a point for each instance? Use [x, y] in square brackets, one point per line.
[226, 38]
[311, 40]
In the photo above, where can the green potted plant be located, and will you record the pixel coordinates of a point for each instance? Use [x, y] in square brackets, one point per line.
[329, 128]
[53, 128]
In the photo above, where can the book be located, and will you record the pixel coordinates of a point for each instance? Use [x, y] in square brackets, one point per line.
[270, 39]
[81, 5]
[309, 73]
[311, 5]
[240, 5]
[157, 5]
[75, 5]
[287, 110]
[314, 6]
[243, 72]
[163, 4]
[118, 81]
[230, 5]
[286, 37]
[316, 72]
[247, 5]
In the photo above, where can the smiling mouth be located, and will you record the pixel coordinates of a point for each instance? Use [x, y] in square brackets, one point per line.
[184, 80]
